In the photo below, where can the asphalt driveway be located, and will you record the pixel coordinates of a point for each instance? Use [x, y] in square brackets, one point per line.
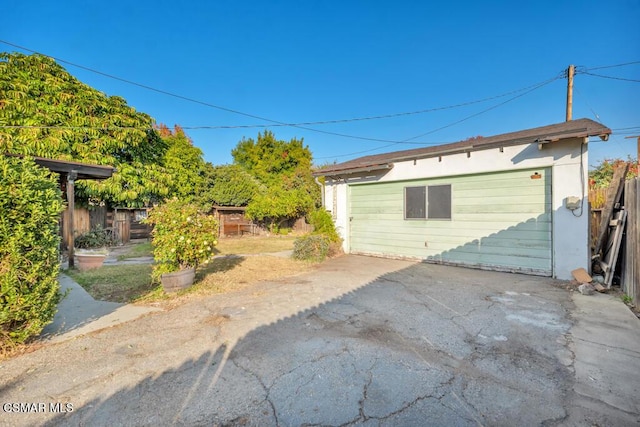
[359, 341]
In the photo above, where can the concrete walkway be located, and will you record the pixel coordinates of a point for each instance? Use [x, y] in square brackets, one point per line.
[78, 313]
[605, 340]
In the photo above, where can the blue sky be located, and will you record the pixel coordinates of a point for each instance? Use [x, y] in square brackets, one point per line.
[310, 61]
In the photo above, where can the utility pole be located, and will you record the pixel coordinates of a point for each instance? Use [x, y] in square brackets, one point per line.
[570, 73]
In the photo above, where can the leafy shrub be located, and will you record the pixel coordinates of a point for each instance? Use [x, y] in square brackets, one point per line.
[97, 237]
[323, 242]
[312, 247]
[284, 231]
[182, 236]
[602, 174]
[322, 223]
[30, 205]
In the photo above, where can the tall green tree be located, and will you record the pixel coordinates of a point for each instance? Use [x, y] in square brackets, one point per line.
[184, 163]
[228, 185]
[45, 111]
[268, 158]
[284, 168]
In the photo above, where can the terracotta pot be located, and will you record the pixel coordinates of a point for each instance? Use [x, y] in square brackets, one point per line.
[178, 280]
[89, 261]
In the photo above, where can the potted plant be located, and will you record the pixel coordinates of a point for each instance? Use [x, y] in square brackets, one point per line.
[182, 238]
[91, 248]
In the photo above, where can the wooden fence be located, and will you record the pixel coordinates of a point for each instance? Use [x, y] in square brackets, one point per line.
[597, 197]
[631, 254]
[83, 221]
[123, 223]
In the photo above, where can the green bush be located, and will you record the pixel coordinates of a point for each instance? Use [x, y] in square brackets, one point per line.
[322, 223]
[312, 247]
[182, 236]
[30, 205]
[97, 237]
[323, 242]
[284, 231]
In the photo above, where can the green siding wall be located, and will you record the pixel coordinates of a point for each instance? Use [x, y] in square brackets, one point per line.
[499, 220]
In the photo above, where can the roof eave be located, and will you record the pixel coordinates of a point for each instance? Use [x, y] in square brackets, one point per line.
[354, 170]
[603, 133]
[83, 170]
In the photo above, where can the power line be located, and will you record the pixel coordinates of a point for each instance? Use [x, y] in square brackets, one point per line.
[185, 98]
[392, 142]
[630, 127]
[612, 66]
[407, 141]
[609, 77]
[75, 127]
[276, 122]
[303, 125]
[487, 109]
[595, 115]
[627, 132]
[164, 92]
[365, 151]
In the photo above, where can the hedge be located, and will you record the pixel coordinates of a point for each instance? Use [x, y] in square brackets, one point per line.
[30, 206]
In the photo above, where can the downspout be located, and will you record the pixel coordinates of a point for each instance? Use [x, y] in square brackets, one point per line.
[321, 190]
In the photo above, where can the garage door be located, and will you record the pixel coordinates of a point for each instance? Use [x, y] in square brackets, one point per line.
[498, 221]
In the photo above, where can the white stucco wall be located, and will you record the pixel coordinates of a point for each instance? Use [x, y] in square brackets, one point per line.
[570, 232]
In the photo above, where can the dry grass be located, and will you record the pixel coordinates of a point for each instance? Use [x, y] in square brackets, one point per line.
[15, 350]
[254, 244]
[132, 283]
[597, 197]
[231, 273]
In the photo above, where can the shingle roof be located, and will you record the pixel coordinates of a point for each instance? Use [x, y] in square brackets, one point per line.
[579, 128]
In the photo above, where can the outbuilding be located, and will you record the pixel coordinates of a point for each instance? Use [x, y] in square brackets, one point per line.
[514, 202]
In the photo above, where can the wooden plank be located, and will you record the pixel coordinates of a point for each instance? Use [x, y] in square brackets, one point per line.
[98, 217]
[613, 197]
[69, 236]
[631, 271]
[581, 275]
[613, 249]
[635, 254]
[81, 221]
[121, 226]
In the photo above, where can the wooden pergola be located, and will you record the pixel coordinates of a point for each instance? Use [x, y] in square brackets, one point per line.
[70, 172]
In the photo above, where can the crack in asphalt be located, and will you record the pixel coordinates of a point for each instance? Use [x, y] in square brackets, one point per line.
[466, 405]
[608, 346]
[365, 389]
[402, 409]
[267, 390]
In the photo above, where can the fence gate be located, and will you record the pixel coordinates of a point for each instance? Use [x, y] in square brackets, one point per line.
[121, 226]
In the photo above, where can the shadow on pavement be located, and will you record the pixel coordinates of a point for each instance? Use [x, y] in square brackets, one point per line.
[425, 344]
